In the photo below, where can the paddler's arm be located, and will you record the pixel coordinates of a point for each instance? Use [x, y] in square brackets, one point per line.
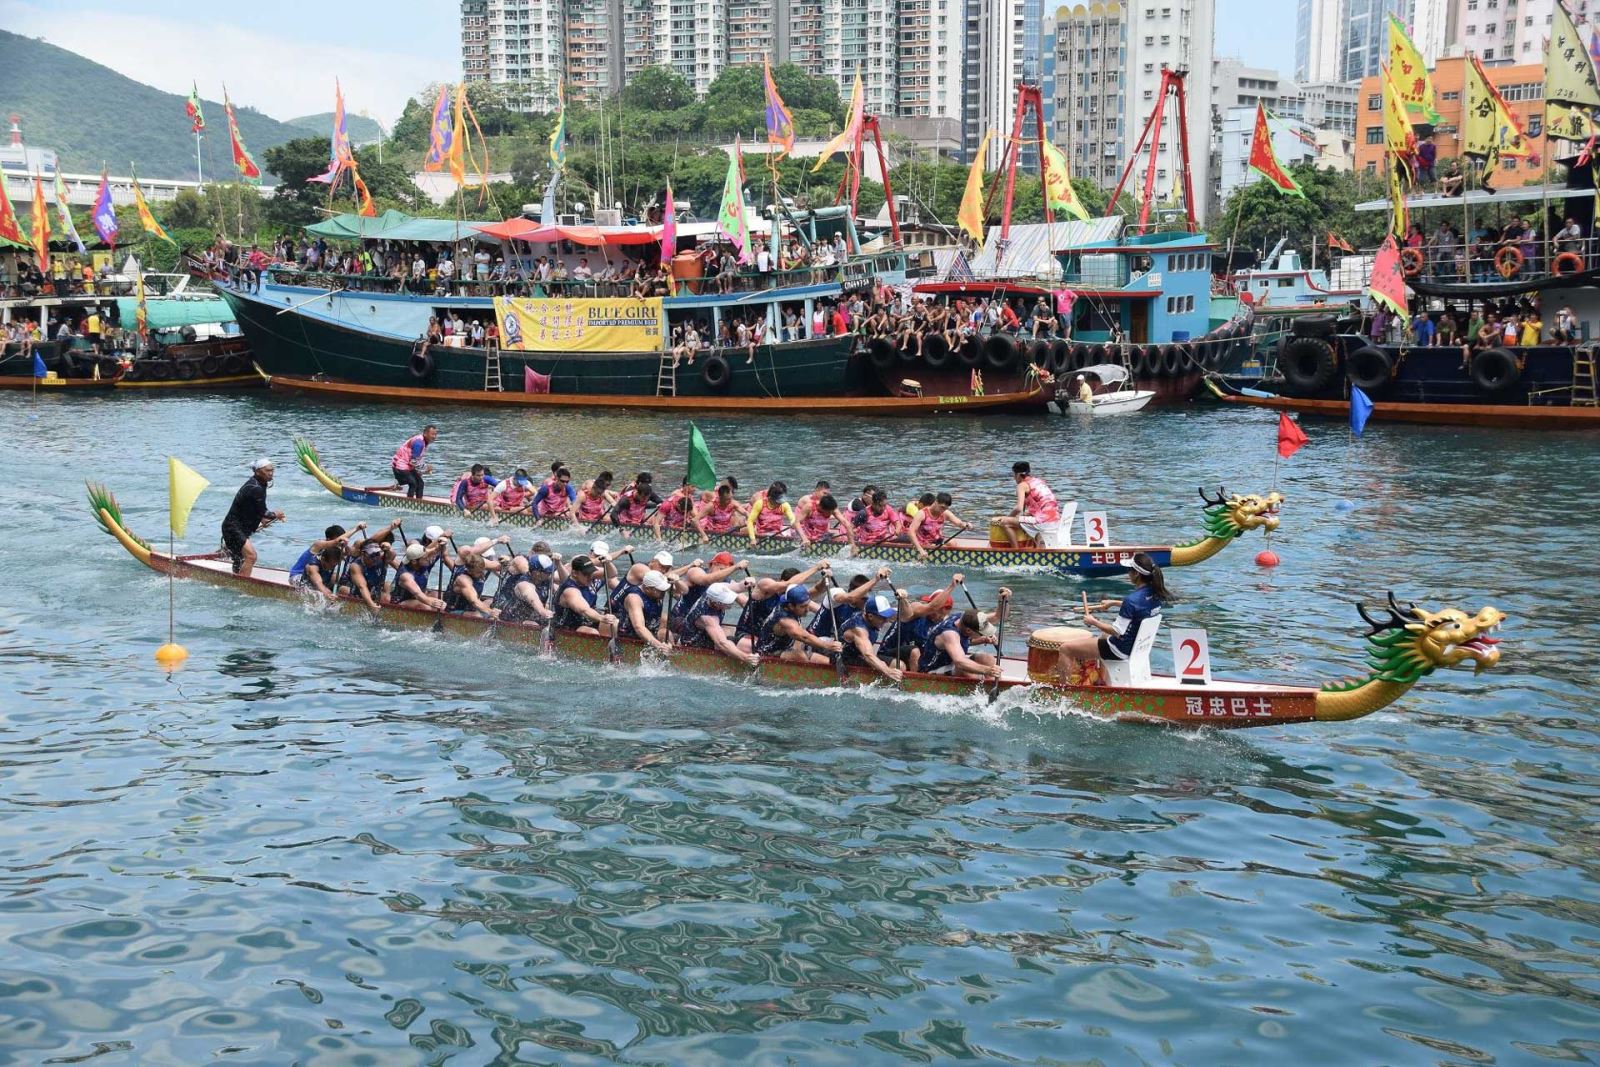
[805, 636]
[750, 519]
[951, 643]
[864, 649]
[358, 580]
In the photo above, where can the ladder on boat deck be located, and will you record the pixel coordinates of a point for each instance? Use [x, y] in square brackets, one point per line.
[491, 370]
[1583, 384]
[667, 375]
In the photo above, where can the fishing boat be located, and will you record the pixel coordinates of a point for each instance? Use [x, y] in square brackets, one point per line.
[1116, 395]
[1227, 518]
[1283, 285]
[1403, 644]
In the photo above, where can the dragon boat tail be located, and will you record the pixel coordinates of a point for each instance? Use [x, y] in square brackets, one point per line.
[1404, 645]
[1227, 518]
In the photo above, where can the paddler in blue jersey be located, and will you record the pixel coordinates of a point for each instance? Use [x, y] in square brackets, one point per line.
[317, 568]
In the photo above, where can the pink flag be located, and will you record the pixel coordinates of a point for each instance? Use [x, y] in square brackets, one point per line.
[669, 229]
[534, 382]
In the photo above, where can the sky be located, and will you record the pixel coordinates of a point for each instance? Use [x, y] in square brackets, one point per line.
[282, 57]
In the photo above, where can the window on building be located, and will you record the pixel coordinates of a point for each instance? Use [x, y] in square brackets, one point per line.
[1150, 40]
[1375, 102]
[1450, 95]
[1472, 5]
[1374, 134]
[1488, 53]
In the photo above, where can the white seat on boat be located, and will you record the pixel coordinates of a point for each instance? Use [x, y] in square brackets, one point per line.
[1060, 536]
[1135, 670]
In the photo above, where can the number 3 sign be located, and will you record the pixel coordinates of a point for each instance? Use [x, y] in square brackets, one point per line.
[1191, 656]
[1095, 531]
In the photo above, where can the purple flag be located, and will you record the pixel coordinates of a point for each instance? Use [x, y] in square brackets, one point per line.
[105, 213]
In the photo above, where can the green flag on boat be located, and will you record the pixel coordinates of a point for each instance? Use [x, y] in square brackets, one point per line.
[702, 473]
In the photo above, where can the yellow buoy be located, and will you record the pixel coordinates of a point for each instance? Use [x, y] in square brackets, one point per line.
[171, 655]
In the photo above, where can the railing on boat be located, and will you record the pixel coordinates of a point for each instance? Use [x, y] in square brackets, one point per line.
[1488, 262]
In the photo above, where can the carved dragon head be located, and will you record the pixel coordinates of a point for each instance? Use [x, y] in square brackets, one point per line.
[1230, 516]
[1406, 642]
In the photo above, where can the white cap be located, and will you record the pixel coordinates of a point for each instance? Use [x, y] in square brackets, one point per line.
[836, 594]
[544, 562]
[415, 552]
[433, 533]
[261, 464]
[372, 546]
[986, 624]
[487, 553]
[664, 558]
[657, 581]
[721, 593]
[881, 606]
[599, 548]
[482, 543]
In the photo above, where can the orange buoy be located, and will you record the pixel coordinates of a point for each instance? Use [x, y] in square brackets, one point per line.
[1266, 558]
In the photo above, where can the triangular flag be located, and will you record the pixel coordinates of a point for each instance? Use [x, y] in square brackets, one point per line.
[243, 161]
[184, 486]
[10, 229]
[1290, 437]
[68, 227]
[191, 107]
[1411, 75]
[702, 473]
[1264, 161]
[1337, 243]
[730, 215]
[852, 125]
[146, 219]
[439, 132]
[970, 215]
[39, 369]
[558, 135]
[1360, 410]
[1571, 91]
[1489, 131]
[780, 124]
[104, 215]
[1059, 193]
[669, 228]
[1388, 283]
[41, 225]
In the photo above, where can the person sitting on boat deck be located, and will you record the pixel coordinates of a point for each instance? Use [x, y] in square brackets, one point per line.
[860, 632]
[246, 516]
[317, 568]
[784, 633]
[766, 595]
[817, 521]
[701, 625]
[1081, 650]
[926, 530]
[642, 594]
[517, 598]
[595, 499]
[1424, 330]
[412, 573]
[1085, 390]
[838, 604]
[902, 642]
[368, 573]
[1036, 508]
[1010, 322]
[677, 512]
[634, 502]
[1565, 329]
[464, 591]
[578, 597]
[879, 523]
[718, 514]
[556, 496]
[768, 514]
[947, 649]
[473, 488]
[513, 496]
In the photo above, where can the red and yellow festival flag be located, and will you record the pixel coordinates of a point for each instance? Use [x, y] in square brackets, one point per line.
[1411, 75]
[458, 136]
[970, 216]
[10, 229]
[1399, 139]
[1571, 90]
[242, 160]
[363, 198]
[41, 225]
[1264, 161]
[146, 219]
[191, 108]
[1488, 129]
[1058, 190]
[852, 125]
[1388, 283]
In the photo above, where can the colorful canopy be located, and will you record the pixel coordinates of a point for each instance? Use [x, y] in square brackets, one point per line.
[530, 230]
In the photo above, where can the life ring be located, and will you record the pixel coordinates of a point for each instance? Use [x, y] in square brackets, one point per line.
[1508, 261]
[1368, 368]
[935, 350]
[717, 373]
[999, 351]
[187, 370]
[971, 352]
[1567, 263]
[1173, 361]
[420, 365]
[1494, 370]
[233, 363]
[210, 365]
[1308, 365]
[1060, 357]
[1411, 262]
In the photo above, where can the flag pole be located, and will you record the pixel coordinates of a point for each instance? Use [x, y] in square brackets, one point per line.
[199, 168]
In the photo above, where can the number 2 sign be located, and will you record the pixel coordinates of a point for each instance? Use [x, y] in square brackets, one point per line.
[1191, 656]
[1095, 530]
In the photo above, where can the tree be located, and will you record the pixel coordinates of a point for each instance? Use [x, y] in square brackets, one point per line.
[658, 89]
[812, 92]
[411, 129]
[736, 100]
[1257, 215]
[298, 201]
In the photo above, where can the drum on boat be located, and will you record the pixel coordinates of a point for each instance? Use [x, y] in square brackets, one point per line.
[997, 537]
[1044, 647]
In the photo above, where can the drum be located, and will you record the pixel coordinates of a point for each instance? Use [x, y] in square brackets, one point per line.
[1043, 647]
[997, 537]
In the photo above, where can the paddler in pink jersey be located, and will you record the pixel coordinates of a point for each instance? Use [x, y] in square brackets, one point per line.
[472, 490]
[927, 527]
[555, 497]
[677, 512]
[769, 514]
[595, 499]
[1036, 508]
[633, 504]
[818, 520]
[512, 496]
[879, 522]
[407, 464]
[718, 514]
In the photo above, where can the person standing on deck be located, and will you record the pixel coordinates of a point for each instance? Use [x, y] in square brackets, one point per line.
[247, 514]
[408, 460]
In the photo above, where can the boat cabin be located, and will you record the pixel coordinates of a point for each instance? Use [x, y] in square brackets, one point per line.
[1152, 287]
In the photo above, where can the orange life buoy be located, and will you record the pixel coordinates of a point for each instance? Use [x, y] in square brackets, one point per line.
[1411, 261]
[1508, 261]
[1567, 263]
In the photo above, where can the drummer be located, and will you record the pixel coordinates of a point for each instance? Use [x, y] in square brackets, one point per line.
[1114, 640]
[1036, 510]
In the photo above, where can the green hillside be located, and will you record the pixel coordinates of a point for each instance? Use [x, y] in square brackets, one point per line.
[362, 130]
[89, 113]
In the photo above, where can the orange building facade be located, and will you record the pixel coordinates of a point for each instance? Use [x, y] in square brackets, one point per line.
[1521, 85]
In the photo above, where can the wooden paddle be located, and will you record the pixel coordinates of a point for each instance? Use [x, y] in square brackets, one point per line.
[1000, 646]
[827, 605]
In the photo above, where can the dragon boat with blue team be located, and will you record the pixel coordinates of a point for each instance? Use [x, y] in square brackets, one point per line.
[1226, 518]
[1404, 644]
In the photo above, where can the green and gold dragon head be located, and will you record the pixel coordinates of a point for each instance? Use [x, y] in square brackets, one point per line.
[1406, 643]
[1226, 519]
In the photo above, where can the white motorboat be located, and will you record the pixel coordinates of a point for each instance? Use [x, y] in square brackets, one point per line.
[1115, 396]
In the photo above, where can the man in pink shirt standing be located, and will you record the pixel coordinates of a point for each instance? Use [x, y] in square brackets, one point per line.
[408, 465]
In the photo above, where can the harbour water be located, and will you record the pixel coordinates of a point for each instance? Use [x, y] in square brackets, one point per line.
[327, 843]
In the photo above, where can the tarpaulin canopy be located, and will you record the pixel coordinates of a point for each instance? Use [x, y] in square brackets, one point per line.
[529, 230]
[171, 314]
[396, 226]
[349, 227]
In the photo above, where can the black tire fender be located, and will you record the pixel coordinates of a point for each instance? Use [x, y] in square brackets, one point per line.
[880, 351]
[999, 351]
[1494, 370]
[717, 373]
[1368, 368]
[935, 350]
[1308, 364]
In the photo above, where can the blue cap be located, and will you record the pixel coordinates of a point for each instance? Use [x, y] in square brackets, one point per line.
[522, 481]
[797, 594]
[881, 606]
[544, 562]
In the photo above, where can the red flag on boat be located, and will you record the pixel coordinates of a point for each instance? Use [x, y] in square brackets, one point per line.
[534, 382]
[1339, 243]
[1290, 436]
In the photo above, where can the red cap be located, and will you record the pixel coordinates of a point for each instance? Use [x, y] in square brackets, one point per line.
[722, 559]
[938, 594]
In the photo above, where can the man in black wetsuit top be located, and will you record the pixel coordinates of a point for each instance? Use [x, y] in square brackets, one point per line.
[247, 514]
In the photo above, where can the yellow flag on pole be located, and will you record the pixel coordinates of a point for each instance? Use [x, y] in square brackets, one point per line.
[854, 117]
[1410, 74]
[970, 217]
[1571, 90]
[184, 487]
[146, 218]
[1058, 188]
